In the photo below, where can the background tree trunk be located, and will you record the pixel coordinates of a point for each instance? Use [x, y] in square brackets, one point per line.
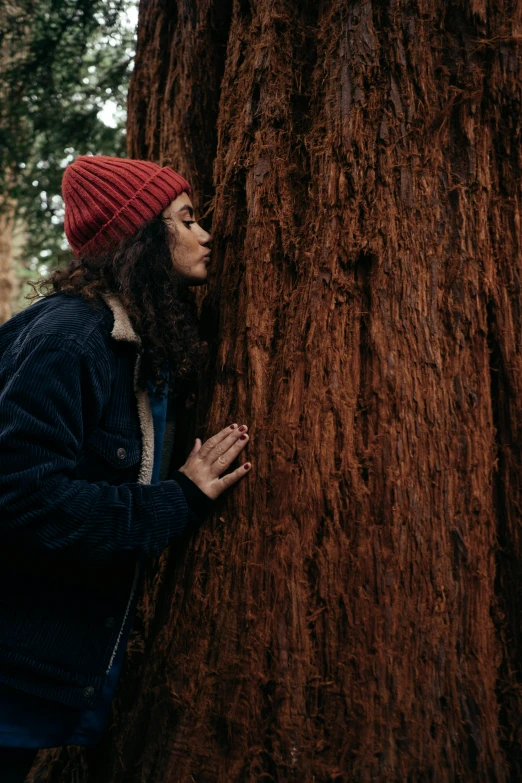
[352, 612]
[7, 279]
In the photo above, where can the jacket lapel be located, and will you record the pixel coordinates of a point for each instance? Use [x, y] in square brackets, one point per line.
[123, 331]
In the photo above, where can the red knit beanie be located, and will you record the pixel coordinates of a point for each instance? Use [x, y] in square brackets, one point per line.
[107, 199]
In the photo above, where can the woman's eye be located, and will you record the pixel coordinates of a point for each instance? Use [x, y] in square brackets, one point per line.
[189, 222]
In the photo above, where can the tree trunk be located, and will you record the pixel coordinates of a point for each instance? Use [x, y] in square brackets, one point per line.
[352, 612]
[6, 262]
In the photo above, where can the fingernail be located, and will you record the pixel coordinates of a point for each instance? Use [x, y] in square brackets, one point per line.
[233, 426]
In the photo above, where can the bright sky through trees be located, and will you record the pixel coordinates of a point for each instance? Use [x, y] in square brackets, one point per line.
[111, 113]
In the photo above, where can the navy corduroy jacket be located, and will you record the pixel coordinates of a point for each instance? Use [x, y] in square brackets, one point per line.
[77, 513]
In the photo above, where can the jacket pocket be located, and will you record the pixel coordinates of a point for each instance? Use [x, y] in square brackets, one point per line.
[61, 625]
[111, 456]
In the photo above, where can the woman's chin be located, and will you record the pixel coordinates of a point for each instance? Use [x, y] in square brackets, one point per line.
[198, 278]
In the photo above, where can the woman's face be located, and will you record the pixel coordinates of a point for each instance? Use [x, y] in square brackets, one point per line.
[190, 249]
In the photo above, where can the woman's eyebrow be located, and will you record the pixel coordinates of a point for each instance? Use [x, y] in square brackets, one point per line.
[187, 207]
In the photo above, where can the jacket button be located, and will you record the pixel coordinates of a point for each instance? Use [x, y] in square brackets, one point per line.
[88, 691]
[109, 622]
[121, 453]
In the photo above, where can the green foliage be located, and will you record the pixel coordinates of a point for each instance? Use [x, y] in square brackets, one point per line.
[62, 61]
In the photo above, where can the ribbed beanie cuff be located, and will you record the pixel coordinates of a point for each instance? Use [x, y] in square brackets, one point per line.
[108, 199]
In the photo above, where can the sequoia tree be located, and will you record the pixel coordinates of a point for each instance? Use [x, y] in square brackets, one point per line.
[352, 611]
[6, 270]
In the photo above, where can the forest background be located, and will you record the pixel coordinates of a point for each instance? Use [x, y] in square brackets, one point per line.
[64, 76]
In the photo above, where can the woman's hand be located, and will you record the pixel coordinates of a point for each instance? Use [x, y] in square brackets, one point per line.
[206, 462]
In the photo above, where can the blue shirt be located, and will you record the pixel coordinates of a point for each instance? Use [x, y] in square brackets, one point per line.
[27, 721]
[158, 403]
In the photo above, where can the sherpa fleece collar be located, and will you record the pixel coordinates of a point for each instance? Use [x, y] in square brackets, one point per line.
[123, 331]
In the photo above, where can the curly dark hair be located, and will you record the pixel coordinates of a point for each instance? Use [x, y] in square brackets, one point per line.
[158, 301]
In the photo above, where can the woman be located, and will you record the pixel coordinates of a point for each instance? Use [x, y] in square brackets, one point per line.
[87, 489]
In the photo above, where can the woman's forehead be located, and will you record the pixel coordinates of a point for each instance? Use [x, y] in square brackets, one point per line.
[181, 203]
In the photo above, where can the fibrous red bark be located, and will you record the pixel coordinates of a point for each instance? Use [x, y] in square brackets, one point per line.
[352, 613]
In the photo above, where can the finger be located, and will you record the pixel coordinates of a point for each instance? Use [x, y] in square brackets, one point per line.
[217, 440]
[231, 478]
[226, 452]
